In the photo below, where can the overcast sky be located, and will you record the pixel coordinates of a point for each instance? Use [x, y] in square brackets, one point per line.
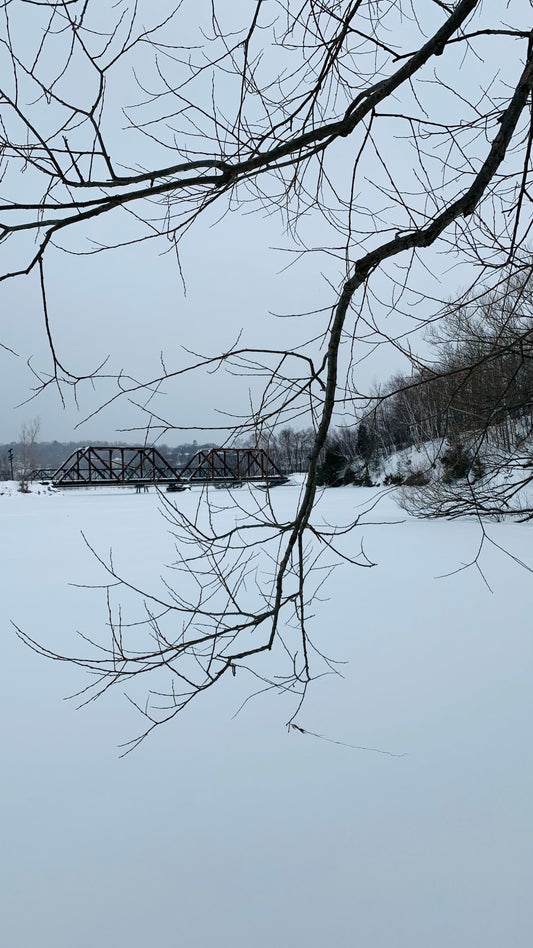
[128, 305]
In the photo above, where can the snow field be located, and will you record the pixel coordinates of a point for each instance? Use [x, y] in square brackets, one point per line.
[232, 829]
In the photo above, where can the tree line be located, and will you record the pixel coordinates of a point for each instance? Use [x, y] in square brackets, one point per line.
[479, 380]
[474, 392]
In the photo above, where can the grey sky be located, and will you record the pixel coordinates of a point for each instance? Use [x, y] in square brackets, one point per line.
[129, 304]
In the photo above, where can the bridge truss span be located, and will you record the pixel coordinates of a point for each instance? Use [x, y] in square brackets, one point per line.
[230, 466]
[114, 466]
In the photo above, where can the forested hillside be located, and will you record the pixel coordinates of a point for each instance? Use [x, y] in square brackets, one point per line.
[464, 415]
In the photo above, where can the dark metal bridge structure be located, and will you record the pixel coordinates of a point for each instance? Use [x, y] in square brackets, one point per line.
[42, 474]
[118, 466]
[112, 466]
[231, 466]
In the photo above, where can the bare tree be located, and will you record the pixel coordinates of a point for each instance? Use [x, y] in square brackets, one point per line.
[471, 406]
[485, 357]
[403, 128]
[28, 435]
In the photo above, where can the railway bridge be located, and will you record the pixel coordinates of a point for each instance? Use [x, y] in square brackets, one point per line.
[119, 466]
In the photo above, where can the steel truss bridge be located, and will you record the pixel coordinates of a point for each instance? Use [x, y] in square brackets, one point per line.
[231, 465]
[113, 466]
[42, 474]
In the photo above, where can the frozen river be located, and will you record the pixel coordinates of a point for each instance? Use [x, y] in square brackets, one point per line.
[231, 830]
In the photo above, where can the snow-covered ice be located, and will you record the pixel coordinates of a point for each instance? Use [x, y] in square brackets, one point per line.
[232, 830]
